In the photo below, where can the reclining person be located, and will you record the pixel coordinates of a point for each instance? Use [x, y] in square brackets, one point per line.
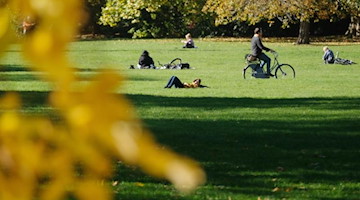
[175, 81]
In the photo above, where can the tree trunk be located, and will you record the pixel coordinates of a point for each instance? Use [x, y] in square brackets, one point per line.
[304, 33]
[354, 27]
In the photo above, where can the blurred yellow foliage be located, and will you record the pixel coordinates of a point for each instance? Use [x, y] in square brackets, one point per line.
[41, 159]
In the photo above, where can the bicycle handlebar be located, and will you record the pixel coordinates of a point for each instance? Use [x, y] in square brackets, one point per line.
[275, 54]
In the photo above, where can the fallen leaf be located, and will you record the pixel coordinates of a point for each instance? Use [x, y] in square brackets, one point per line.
[139, 184]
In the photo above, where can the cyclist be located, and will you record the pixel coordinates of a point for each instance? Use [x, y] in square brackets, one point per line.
[257, 50]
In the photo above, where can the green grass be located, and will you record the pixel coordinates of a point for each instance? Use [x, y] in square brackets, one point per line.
[256, 139]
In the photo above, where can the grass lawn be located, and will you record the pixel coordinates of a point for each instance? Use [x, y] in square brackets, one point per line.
[256, 139]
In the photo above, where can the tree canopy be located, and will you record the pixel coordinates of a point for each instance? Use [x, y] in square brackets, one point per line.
[160, 18]
[352, 8]
[288, 12]
[154, 18]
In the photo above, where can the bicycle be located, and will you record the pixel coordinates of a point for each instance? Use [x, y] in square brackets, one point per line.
[282, 71]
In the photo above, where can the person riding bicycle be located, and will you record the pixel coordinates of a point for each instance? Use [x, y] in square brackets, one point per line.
[257, 50]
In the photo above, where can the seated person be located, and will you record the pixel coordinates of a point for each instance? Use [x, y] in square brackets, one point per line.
[328, 56]
[175, 81]
[145, 61]
[189, 42]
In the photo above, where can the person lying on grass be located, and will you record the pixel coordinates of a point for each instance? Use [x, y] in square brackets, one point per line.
[175, 81]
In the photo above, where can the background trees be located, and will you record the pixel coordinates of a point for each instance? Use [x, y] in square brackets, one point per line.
[160, 18]
[288, 12]
[93, 8]
[352, 8]
[155, 18]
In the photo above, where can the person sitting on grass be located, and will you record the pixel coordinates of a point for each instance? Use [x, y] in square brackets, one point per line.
[175, 81]
[145, 61]
[328, 56]
[189, 42]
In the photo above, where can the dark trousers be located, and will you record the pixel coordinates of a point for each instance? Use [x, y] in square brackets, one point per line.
[174, 81]
[265, 60]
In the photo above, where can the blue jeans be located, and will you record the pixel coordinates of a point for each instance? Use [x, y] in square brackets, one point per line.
[265, 60]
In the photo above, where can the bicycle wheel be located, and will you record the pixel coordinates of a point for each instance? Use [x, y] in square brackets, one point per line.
[248, 72]
[284, 71]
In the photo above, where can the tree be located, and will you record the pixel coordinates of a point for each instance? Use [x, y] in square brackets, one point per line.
[352, 8]
[289, 12]
[154, 18]
[93, 8]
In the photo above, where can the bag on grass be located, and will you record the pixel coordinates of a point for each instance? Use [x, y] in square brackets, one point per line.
[176, 64]
[342, 61]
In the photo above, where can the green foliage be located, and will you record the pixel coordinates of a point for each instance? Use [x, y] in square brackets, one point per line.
[351, 6]
[155, 18]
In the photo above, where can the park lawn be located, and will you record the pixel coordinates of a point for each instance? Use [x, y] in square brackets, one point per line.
[256, 139]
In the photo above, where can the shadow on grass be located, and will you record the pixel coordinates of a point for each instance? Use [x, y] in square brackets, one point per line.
[243, 158]
[31, 98]
[252, 157]
[18, 73]
[12, 68]
[217, 102]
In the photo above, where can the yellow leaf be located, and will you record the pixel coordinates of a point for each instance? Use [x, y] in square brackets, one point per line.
[139, 184]
[275, 189]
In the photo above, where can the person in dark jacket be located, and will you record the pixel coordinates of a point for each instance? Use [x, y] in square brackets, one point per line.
[328, 56]
[257, 50]
[145, 61]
